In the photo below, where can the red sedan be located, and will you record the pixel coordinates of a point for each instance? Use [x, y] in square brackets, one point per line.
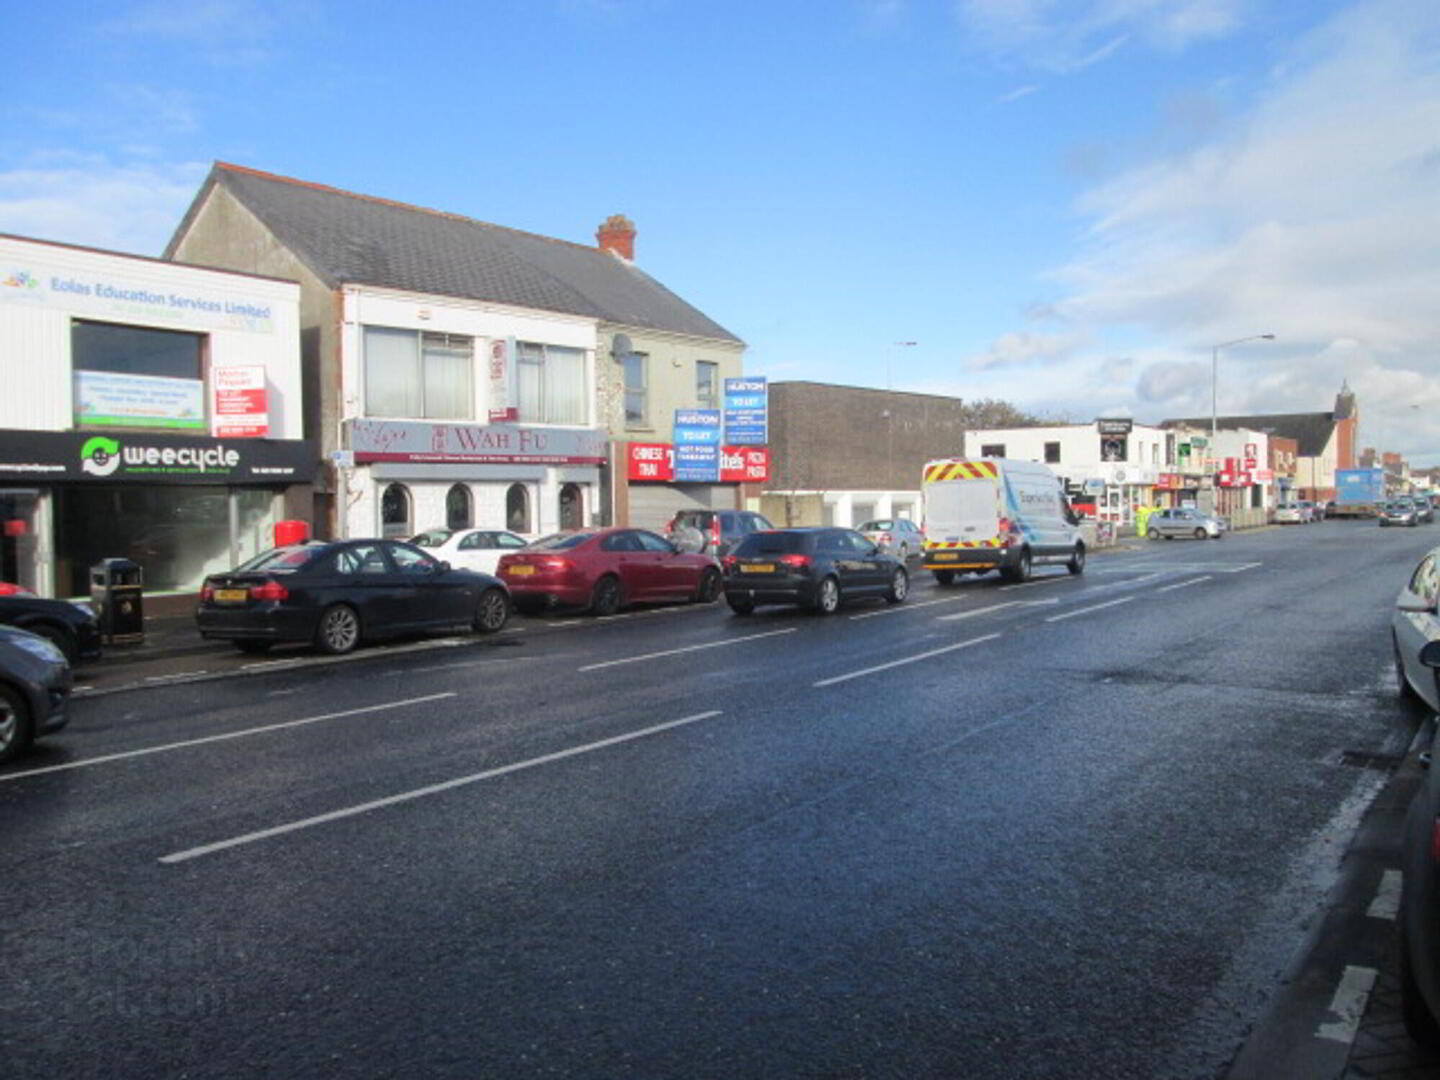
[604, 569]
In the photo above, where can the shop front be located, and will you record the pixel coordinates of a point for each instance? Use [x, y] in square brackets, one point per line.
[406, 477]
[652, 493]
[181, 507]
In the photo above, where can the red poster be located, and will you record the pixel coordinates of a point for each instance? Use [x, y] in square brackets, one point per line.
[651, 461]
[655, 463]
[239, 408]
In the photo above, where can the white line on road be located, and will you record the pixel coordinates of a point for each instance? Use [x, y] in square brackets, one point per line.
[431, 789]
[226, 735]
[902, 663]
[1237, 569]
[688, 648]
[1386, 904]
[996, 607]
[1348, 1004]
[902, 608]
[459, 664]
[1038, 581]
[1092, 607]
[1182, 584]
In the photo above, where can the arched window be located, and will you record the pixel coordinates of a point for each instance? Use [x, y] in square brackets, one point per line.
[572, 509]
[517, 509]
[457, 508]
[395, 521]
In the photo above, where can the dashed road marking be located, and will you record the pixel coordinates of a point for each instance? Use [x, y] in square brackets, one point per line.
[1348, 1004]
[1183, 584]
[1092, 607]
[687, 649]
[1386, 904]
[901, 663]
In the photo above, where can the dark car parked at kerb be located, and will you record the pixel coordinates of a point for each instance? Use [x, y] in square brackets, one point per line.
[34, 689]
[340, 593]
[818, 568]
[71, 626]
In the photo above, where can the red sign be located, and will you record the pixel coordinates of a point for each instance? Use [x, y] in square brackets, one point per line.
[239, 405]
[655, 463]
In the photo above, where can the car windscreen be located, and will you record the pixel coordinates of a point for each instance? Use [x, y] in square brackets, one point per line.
[882, 525]
[771, 543]
[432, 539]
[278, 560]
[560, 541]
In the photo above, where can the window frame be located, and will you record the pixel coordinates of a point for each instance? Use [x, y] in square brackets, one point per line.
[524, 356]
[416, 377]
[712, 369]
[642, 419]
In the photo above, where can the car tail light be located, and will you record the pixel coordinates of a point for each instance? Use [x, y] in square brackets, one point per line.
[207, 593]
[271, 590]
[715, 535]
[729, 562]
[885, 538]
[554, 563]
[799, 562]
[1004, 532]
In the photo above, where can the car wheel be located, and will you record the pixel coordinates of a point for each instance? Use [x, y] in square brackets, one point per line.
[492, 611]
[16, 726]
[899, 587]
[1407, 692]
[605, 600]
[338, 631]
[1021, 570]
[709, 587]
[1076, 565]
[945, 577]
[254, 648]
[1199, 534]
[740, 605]
[827, 596]
[1420, 1023]
[62, 637]
[1153, 534]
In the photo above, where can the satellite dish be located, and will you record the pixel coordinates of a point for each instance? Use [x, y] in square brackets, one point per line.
[621, 347]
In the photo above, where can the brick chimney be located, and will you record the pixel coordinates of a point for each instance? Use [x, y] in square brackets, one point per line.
[617, 234]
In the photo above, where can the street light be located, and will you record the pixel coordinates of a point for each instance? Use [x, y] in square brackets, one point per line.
[898, 345]
[1215, 378]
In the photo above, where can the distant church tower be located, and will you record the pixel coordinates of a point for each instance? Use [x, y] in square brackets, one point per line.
[1347, 424]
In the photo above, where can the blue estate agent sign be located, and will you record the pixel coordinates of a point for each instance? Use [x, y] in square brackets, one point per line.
[746, 412]
[697, 446]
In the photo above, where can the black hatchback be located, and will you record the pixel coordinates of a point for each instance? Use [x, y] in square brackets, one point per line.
[818, 568]
[339, 593]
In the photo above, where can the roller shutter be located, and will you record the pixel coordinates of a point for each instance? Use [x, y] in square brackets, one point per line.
[653, 505]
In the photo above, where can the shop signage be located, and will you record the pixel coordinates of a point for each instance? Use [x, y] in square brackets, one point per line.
[502, 378]
[239, 408]
[128, 298]
[746, 412]
[110, 399]
[697, 446]
[473, 444]
[655, 463]
[125, 457]
[1169, 482]
[1122, 426]
[1264, 476]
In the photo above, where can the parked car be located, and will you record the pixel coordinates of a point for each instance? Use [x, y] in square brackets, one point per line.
[1289, 514]
[1183, 521]
[34, 689]
[1418, 921]
[605, 569]
[899, 536]
[340, 593]
[1414, 626]
[1423, 510]
[1310, 511]
[818, 568]
[71, 626]
[719, 530]
[1396, 512]
[470, 549]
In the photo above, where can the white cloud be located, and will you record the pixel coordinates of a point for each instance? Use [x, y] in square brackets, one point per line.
[92, 201]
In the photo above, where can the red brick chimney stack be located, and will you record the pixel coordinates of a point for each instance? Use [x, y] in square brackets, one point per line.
[617, 234]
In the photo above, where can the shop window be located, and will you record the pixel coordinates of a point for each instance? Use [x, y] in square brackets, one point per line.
[707, 384]
[637, 390]
[572, 509]
[133, 376]
[395, 513]
[552, 384]
[517, 509]
[993, 450]
[423, 375]
[1052, 453]
[458, 514]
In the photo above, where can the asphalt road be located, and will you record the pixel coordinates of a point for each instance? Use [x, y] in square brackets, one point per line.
[1073, 828]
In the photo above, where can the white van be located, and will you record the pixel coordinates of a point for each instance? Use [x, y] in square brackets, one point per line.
[997, 514]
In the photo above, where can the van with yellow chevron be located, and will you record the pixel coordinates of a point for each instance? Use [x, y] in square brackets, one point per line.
[987, 514]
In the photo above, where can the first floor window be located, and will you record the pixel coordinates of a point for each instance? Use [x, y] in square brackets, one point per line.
[423, 375]
[551, 383]
[395, 512]
[993, 450]
[707, 384]
[136, 350]
[637, 390]
[1052, 453]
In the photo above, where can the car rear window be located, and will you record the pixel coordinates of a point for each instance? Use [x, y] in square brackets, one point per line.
[561, 541]
[883, 525]
[278, 559]
[432, 539]
[771, 543]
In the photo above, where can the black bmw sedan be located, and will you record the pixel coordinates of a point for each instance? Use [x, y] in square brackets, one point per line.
[340, 593]
[818, 568]
[70, 626]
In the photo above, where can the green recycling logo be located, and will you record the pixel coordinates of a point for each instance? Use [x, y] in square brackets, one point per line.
[100, 456]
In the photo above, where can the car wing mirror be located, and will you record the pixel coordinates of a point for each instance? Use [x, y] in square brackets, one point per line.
[1416, 606]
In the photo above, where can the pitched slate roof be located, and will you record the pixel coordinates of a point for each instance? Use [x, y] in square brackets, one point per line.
[345, 238]
[1311, 431]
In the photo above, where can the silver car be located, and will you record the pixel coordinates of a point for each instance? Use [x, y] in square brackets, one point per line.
[1183, 521]
[898, 536]
[1415, 632]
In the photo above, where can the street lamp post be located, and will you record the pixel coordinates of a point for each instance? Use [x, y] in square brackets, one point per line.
[1214, 401]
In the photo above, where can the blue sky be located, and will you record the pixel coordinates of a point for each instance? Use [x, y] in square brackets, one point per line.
[1065, 203]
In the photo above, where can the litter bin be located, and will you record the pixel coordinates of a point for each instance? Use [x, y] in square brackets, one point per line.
[115, 590]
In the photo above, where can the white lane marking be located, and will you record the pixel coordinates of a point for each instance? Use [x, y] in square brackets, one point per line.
[430, 789]
[1237, 569]
[1386, 904]
[902, 663]
[1182, 584]
[225, 735]
[996, 607]
[176, 675]
[459, 664]
[688, 648]
[899, 608]
[1348, 1004]
[1092, 607]
[1038, 581]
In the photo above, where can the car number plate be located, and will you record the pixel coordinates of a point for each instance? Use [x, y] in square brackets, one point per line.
[521, 571]
[231, 596]
[759, 568]
[946, 556]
